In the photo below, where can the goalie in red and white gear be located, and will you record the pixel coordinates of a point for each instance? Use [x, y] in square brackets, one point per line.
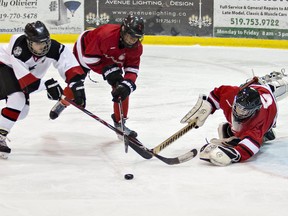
[113, 51]
[251, 113]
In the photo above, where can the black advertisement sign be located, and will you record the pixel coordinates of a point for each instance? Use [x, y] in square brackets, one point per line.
[162, 17]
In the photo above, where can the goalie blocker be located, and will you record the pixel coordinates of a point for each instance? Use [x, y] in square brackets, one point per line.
[199, 113]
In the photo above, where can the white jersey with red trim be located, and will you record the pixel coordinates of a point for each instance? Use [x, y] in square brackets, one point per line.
[29, 69]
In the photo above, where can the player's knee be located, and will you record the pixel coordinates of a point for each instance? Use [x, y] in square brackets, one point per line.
[24, 112]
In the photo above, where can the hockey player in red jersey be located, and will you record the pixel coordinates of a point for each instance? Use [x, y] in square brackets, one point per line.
[251, 113]
[23, 65]
[113, 51]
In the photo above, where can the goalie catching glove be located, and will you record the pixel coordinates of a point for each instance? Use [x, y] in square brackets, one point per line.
[219, 155]
[199, 112]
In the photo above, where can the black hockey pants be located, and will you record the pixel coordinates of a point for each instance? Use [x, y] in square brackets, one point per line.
[8, 82]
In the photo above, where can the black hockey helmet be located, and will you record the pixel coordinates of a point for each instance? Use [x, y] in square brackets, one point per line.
[133, 26]
[37, 32]
[246, 103]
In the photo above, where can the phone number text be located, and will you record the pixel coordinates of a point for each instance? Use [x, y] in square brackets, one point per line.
[18, 16]
[254, 22]
[168, 21]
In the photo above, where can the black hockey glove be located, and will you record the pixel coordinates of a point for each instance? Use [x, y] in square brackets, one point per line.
[123, 90]
[78, 92]
[54, 90]
[113, 74]
[224, 130]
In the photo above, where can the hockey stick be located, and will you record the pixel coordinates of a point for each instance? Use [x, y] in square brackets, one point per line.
[185, 129]
[174, 137]
[170, 161]
[122, 124]
[141, 152]
[253, 80]
[188, 127]
[135, 144]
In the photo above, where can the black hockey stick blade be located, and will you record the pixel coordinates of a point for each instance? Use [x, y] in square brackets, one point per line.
[137, 146]
[144, 152]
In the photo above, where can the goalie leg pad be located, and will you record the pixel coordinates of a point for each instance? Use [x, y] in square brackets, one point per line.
[269, 135]
[278, 83]
[279, 89]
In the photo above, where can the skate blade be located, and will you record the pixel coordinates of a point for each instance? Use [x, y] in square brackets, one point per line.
[133, 134]
[4, 155]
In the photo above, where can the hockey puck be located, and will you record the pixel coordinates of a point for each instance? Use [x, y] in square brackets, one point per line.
[128, 176]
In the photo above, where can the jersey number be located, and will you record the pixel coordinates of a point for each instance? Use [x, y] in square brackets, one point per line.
[266, 100]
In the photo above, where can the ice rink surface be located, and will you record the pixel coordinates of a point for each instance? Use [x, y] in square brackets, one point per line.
[75, 166]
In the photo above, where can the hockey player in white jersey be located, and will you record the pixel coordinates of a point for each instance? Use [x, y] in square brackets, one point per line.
[24, 61]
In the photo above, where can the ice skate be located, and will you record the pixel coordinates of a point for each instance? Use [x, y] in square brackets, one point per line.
[278, 83]
[127, 131]
[269, 135]
[273, 76]
[4, 149]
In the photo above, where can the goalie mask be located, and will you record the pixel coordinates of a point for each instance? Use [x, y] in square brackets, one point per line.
[38, 38]
[132, 30]
[246, 103]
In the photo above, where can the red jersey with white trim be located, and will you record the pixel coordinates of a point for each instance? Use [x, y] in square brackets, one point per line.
[98, 48]
[30, 69]
[252, 130]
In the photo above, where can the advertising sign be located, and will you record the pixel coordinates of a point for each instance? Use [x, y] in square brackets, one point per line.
[61, 16]
[251, 19]
[162, 17]
[262, 19]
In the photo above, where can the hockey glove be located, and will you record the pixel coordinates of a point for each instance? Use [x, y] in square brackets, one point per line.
[113, 74]
[229, 142]
[54, 90]
[224, 130]
[219, 155]
[78, 92]
[123, 90]
[199, 112]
